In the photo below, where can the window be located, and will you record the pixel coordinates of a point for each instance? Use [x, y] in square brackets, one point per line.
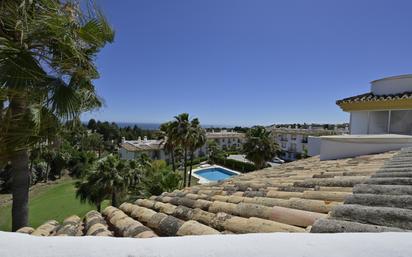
[283, 145]
[401, 122]
[293, 136]
[378, 122]
[292, 147]
[304, 139]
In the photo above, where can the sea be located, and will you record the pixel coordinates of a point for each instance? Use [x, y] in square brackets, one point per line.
[156, 126]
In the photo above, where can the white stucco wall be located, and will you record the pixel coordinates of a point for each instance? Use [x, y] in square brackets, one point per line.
[392, 85]
[246, 245]
[337, 147]
[126, 155]
[314, 145]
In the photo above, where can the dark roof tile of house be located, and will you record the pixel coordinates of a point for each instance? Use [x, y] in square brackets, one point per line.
[370, 97]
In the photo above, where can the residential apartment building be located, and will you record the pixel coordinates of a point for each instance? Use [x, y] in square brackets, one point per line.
[293, 142]
[133, 149]
[227, 139]
[154, 149]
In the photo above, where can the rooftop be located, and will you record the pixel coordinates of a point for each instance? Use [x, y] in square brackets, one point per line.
[387, 93]
[370, 97]
[287, 198]
[142, 144]
[224, 134]
[309, 131]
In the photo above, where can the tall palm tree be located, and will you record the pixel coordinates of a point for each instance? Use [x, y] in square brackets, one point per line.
[180, 133]
[259, 147]
[169, 141]
[196, 138]
[47, 51]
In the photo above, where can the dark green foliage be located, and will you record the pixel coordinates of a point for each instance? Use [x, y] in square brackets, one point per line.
[156, 179]
[81, 163]
[57, 165]
[260, 146]
[92, 125]
[5, 178]
[243, 167]
[198, 160]
[110, 179]
[47, 70]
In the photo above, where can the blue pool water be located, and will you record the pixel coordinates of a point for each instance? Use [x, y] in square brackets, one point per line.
[215, 173]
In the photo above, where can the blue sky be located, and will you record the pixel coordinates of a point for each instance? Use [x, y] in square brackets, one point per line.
[241, 62]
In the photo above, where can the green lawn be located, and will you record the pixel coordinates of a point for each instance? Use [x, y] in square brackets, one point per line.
[55, 202]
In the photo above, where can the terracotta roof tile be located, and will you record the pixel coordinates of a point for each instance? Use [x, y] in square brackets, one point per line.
[370, 97]
[295, 197]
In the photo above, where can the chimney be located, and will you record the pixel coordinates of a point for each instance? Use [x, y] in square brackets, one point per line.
[123, 139]
[145, 139]
[139, 139]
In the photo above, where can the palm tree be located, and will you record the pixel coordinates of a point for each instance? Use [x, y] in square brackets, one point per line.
[259, 146]
[180, 132]
[111, 178]
[114, 177]
[158, 178]
[47, 51]
[169, 141]
[93, 142]
[196, 138]
[89, 191]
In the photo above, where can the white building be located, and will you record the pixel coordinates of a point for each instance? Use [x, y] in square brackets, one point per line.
[293, 142]
[387, 109]
[154, 149]
[227, 139]
[133, 149]
[380, 120]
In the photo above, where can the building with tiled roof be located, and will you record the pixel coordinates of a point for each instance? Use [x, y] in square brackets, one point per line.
[386, 109]
[154, 148]
[380, 120]
[365, 193]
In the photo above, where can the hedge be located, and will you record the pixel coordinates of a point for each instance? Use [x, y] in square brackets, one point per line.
[242, 167]
[199, 160]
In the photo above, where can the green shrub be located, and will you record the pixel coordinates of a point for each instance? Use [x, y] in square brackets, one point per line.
[199, 160]
[242, 167]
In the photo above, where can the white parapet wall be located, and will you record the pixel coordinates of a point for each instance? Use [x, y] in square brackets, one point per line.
[345, 146]
[313, 145]
[246, 245]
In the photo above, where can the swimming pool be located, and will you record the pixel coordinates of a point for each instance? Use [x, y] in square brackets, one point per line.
[214, 173]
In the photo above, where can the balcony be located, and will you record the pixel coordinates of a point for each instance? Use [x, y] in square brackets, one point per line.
[292, 149]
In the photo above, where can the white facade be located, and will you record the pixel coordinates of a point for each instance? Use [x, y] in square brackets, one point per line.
[226, 139]
[154, 149]
[295, 142]
[291, 144]
[133, 149]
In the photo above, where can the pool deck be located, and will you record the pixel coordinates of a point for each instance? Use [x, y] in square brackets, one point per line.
[203, 180]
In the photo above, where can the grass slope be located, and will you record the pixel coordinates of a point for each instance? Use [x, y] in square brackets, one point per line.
[55, 202]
